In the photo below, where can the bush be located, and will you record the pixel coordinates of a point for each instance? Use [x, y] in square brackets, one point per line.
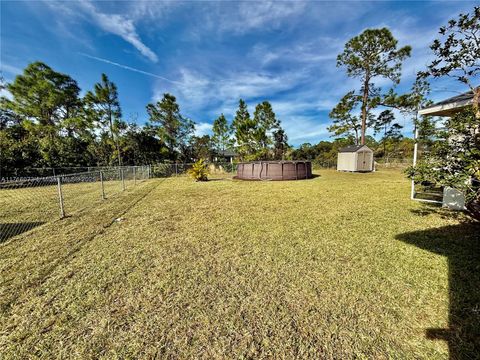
[199, 171]
[455, 160]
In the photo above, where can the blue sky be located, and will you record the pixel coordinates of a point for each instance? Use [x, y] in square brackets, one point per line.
[210, 54]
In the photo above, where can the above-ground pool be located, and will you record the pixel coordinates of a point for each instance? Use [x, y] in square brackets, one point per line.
[274, 170]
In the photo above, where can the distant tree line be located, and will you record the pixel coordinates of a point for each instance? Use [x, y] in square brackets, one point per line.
[46, 123]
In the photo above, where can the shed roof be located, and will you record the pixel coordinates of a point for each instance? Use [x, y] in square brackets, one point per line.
[449, 106]
[352, 148]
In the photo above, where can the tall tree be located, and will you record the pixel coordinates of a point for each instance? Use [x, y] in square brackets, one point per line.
[222, 134]
[367, 56]
[458, 53]
[384, 122]
[265, 123]
[280, 144]
[104, 104]
[201, 147]
[344, 123]
[173, 129]
[45, 99]
[244, 130]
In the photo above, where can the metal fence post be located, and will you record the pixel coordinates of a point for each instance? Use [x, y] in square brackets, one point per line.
[134, 175]
[123, 179]
[101, 182]
[60, 197]
[176, 169]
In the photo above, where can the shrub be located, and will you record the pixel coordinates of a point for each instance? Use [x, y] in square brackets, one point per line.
[199, 171]
[455, 161]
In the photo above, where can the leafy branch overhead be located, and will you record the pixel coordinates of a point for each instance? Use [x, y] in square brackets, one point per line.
[457, 53]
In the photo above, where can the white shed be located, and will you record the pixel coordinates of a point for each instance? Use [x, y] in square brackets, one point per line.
[355, 158]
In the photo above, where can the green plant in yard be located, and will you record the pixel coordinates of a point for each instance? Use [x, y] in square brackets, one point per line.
[199, 171]
[455, 160]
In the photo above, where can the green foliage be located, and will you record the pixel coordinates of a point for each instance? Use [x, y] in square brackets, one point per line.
[280, 144]
[367, 56]
[384, 123]
[344, 123]
[255, 137]
[455, 160]
[46, 123]
[43, 94]
[201, 147]
[173, 129]
[222, 134]
[48, 101]
[458, 50]
[265, 122]
[199, 170]
[244, 130]
[104, 107]
[457, 53]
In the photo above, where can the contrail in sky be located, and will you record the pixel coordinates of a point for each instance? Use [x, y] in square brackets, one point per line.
[131, 68]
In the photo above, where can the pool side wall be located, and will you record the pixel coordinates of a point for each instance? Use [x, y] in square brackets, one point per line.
[274, 170]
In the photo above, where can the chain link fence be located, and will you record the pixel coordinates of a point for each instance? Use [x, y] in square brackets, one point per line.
[215, 169]
[28, 203]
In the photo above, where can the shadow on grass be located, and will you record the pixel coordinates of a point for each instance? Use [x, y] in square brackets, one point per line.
[9, 230]
[445, 213]
[461, 245]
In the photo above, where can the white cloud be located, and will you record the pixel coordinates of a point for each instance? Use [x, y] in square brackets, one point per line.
[203, 128]
[120, 25]
[197, 90]
[6, 93]
[13, 70]
[254, 15]
[301, 129]
[310, 52]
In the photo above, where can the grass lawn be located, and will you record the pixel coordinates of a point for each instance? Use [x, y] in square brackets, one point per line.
[339, 266]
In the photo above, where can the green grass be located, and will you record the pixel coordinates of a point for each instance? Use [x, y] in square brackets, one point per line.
[339, 266]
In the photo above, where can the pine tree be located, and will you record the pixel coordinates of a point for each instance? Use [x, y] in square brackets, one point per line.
[43, 99]
[222, 134]
[344, 123]
[104, 106]
[265, 123]
[367, 56]
[244, 130]
[173, 129]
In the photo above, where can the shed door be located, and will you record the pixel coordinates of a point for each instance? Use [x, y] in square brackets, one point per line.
[364, 160]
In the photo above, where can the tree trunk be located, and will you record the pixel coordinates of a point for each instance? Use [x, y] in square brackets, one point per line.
[384, 141]
[476, 101]
[114, 138]
[364, 106]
